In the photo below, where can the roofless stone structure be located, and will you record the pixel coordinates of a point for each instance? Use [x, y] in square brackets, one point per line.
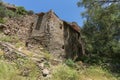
[57, 36]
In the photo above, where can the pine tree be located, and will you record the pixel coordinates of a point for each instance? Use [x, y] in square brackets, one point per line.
[102, 27]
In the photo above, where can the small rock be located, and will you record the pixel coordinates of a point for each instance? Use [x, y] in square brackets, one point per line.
[2, 26]
[41, 65]
[41, 48]
[6, 32]
[20, 49]
[45, 72]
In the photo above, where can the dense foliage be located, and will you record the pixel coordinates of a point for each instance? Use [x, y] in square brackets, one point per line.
[101, 31]
[4, 12]
[21, 11]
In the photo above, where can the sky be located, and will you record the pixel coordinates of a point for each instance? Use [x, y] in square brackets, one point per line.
[66, 9]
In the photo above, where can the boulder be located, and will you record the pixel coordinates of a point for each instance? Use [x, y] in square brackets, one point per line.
[45, 72]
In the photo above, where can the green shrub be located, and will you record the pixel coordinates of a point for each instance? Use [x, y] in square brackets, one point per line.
[63, 72]
[21, 11]
[70, 63]
[2, 11]
[5, 12]
[10, 13]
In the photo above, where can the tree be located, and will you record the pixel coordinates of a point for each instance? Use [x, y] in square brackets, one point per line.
[102, 27]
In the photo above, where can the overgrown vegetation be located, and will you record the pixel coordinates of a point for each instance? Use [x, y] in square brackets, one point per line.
[8, 71]
[21, 69]
[63, 72]
[10, 39]
[96, 73]
[70, 63]
[21, 11]
[4, 12]
[101, 33]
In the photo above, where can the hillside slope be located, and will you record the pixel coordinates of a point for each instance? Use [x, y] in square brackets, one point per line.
[22, 61]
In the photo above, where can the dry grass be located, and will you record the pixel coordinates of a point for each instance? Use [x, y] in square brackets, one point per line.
[63, 72]
[95, 73]
[16, 71]
[1, 52]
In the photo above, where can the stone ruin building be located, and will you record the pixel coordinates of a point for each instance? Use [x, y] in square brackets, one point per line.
[57, 36]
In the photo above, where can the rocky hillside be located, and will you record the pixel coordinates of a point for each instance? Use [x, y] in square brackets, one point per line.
[41, 46]
[58, 37]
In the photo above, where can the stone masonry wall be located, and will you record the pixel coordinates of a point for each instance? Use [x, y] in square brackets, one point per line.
[19, 26]
[48, 31]
[56, 33]
[72, 44]
[57, 36]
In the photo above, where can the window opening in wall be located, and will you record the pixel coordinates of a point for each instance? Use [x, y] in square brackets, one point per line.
[39, 21]
[46, 46]
[62, 46]
[78, 35]
[60, 26]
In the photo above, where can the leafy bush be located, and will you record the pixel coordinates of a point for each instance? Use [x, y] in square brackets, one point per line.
[10, 13]
[2, 11]
[70, 63]
[21, 11]
[5, 13]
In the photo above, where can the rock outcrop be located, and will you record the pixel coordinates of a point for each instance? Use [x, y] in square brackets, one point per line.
[10, 52]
